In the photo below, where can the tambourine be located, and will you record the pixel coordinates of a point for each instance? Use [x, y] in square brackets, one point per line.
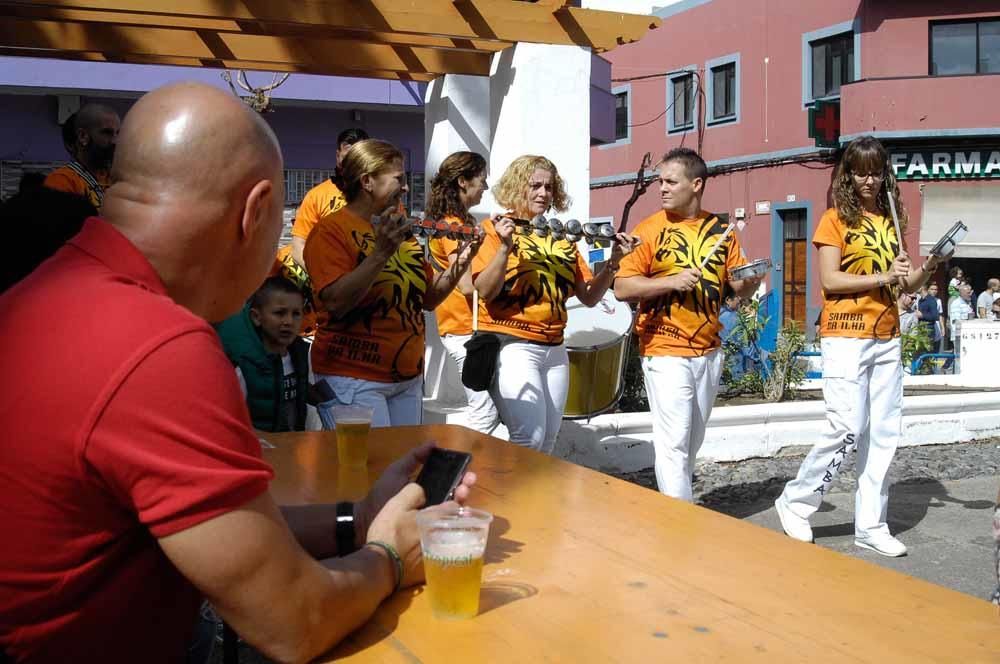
[949, 242]
[757, 268]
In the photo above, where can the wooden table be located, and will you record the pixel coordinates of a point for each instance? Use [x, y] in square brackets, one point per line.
[583, 567]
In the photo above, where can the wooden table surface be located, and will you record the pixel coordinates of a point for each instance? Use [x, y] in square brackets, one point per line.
[583, 567]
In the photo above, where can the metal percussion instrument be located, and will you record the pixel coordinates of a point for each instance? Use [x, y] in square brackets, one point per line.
[949, 242]
[757, 268]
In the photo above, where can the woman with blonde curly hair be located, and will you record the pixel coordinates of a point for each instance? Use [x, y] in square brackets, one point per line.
[523, 282]
[861, 262]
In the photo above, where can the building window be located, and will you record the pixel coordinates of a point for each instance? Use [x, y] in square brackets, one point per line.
[298, 181]
[621, 115]
[969, 47]
[832, 64]
[723, 92]
[681, 102]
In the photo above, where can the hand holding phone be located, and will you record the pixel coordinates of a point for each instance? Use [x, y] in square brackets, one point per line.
[442, 473]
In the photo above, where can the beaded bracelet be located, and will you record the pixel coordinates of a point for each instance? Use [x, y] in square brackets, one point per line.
[394, 556]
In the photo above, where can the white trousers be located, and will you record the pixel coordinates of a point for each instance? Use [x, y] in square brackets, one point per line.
[529, 390]
[481, 413]
[392, 404]
[863, 391]
[681, 391]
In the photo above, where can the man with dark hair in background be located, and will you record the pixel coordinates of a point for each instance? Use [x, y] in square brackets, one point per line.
[94, 130]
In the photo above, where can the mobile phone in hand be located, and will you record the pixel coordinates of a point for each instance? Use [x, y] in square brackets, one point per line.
[442, 473]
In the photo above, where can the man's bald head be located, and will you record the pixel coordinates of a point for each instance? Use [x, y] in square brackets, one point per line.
[199, 187]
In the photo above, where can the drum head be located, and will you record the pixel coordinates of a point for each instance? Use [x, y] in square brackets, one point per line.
[604, 323]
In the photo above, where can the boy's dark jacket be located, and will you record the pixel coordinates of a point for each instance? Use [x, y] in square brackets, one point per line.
[263, 372]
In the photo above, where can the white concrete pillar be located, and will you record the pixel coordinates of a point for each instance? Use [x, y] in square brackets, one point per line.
[540, 104]
[456, 118]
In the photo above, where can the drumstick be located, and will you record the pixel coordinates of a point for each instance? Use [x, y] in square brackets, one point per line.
[725, 234]
[895, 218]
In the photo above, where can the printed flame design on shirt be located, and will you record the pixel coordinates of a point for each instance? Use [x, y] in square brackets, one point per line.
[680, 247]
[382, 337]
[545, 273]
[868, 249]
[683, 324]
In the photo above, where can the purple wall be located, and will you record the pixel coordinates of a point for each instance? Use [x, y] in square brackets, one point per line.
[71, 74]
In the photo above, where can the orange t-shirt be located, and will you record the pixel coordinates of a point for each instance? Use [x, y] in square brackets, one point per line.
[323, 199]
[285, 266]
[868, 249]
[681, 324]
[454, 315]
[382, 338]
[66, 178]
[541, 275]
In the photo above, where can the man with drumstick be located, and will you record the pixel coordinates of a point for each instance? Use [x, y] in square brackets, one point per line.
[678, 275]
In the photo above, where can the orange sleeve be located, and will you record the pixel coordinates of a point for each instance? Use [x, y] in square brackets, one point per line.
[306, 216]
[829, 231]
[327, 255]
[440, 248]
[489, 249]
[637, 263]
[63, 180]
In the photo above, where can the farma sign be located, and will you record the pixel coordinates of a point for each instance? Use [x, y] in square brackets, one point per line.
[946, 165]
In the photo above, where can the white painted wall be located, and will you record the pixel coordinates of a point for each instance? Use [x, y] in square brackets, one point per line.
[627, 6]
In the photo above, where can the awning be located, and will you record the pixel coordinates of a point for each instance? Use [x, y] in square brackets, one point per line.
[396, 39]
[977, 204]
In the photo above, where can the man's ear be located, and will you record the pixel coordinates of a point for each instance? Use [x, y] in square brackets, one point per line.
[255, 210]
[82, 136]
[698, 184]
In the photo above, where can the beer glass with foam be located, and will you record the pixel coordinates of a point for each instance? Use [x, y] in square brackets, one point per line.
[453, 541]
[352, 424]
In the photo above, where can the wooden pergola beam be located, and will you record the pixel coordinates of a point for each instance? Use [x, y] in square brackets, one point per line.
[549, 22]
[133, 19]
[275, 53]
[262, 67]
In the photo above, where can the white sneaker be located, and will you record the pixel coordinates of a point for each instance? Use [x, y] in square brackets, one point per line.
[885, 544]
[794, 526]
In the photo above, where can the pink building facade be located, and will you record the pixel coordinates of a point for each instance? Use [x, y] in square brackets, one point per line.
[736, 79]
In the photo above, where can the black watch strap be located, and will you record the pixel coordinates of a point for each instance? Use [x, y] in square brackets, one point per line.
[345, 529]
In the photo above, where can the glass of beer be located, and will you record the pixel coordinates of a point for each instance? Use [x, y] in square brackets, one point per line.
[352, 425]
[453, 540]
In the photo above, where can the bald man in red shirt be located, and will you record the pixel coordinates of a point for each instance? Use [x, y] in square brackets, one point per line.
[131, 481]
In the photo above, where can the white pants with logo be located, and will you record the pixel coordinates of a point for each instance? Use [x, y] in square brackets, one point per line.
[681, 391]
[863, 391]
[530, 390]
[481, 413]
[393, 404]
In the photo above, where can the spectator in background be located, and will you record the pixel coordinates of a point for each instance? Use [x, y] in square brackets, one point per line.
[30, 183]
[272, 362]
[932, 315]
[907, 316]
[959, 309]
[984, 304]
[89, 174]
[729, 315]
[956, 275]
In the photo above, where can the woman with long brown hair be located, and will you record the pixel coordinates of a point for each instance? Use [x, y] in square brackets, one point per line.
[459, 185]
[372, 285]
[861, 262]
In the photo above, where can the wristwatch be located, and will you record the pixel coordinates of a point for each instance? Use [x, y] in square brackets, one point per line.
[345, 529]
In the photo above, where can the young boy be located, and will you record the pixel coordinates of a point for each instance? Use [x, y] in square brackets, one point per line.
[272, 362]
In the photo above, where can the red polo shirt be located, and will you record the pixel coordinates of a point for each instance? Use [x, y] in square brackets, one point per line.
[122, 422]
